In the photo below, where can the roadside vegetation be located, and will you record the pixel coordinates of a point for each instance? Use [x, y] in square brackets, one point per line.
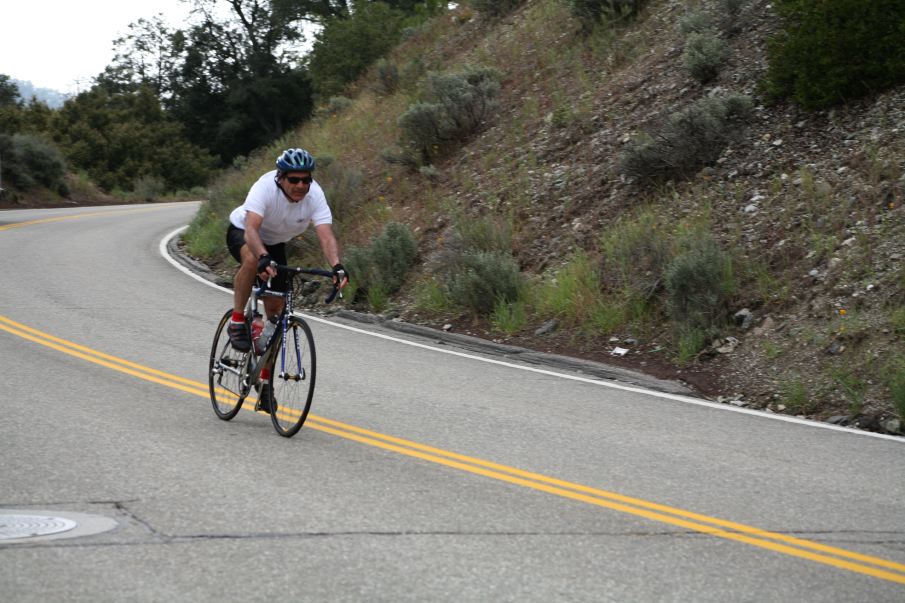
[461, 174]
[714, 186]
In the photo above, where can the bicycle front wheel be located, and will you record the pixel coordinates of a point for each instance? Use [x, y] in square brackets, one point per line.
[227, 373]
[292, 379]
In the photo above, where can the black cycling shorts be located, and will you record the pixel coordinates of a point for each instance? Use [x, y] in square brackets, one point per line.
[235, 239]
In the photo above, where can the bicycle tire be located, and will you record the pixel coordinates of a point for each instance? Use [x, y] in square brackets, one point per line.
[227, 373]
[292, 381]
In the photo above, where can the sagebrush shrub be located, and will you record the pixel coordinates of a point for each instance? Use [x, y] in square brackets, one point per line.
[455, 106]
[387, 77]
[698, 283]
[421, 127]
[484, 233]
[30, 161]
[688, 140]
[393, 253]
[495, 8]
[729, 13]
[148, 187]
[894, 378]
[482, 279]
[695, 21]
[836, 50]
[361, 270]
[704, 55]
[335, 106]
[379, 269]
[468, 98]
[636, 252]
[341, 183]
[591, 12]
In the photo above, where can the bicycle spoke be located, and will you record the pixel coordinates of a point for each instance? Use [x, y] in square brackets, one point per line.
[292, 387]
[226, 374]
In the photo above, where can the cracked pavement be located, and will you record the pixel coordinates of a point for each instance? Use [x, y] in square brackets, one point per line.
[213, 511]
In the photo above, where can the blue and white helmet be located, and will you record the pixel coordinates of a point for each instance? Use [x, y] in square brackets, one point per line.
[295, 160]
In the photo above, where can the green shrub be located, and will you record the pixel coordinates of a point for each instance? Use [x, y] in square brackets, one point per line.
[698, 283]
[729, 13]
[387, 77]
[690, 342]
[482, 279]
[836, 50]
[206, 236]
[795, 396]
[575, 296]
[335, 106]
[430, 296]
[455, 106]
[695, 21]
[591, 12]
[30, 161]
[341, 185]
[379, 269]
[894, 377]
[422, 125]
[704, 55]
[509, 317]
[897, 320]
[484, 233]
[345, 47]
[495, 8]
[688, 140]
[361, 270]
[378, 299]
[393, 253]
[852, 386]
[148, 188]
[636, 253]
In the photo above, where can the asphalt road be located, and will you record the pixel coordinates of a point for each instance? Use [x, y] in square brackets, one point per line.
[423, 475]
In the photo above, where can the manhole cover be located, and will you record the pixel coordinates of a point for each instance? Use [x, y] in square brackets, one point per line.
[36, 525]
[29, 526]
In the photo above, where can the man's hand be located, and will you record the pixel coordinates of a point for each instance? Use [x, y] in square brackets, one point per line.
[265, 270]
[340, 276]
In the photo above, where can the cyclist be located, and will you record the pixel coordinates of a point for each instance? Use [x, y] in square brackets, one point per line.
[279, 207]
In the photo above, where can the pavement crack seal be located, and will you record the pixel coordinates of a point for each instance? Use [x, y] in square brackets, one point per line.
[781, 543]
[124, 510]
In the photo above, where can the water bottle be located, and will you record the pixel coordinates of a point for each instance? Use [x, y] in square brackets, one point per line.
[257, 328]
[267, 333]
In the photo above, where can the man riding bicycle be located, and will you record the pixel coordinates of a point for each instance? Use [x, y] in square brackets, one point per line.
[279, 207]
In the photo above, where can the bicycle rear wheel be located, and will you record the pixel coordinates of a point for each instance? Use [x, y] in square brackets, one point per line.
[227, 373]
[292, 380]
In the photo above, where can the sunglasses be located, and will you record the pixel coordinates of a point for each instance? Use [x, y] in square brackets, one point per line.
[297, 179]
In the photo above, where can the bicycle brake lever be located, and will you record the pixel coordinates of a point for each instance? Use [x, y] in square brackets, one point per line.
[332, 295]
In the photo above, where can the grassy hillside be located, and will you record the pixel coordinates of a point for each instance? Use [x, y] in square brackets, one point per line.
[627, 186]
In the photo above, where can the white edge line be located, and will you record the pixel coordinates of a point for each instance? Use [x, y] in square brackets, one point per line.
[675, 397]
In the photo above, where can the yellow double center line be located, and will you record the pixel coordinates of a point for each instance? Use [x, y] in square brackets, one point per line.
[76, 217]
[781, 543]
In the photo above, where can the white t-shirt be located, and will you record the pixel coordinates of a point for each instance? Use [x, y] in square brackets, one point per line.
[282, 220]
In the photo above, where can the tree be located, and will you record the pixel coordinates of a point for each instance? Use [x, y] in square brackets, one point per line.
[233, 83]
[148, 55]
[9, 92]
[345, 47]
[118, 137]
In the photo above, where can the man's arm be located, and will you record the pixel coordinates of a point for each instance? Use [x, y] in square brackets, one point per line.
[329, 244]
[330, 247]
[253, 223]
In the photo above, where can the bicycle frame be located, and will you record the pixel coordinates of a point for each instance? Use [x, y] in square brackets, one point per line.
[257, 363]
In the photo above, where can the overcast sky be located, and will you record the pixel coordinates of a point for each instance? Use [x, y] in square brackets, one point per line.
[55, 43]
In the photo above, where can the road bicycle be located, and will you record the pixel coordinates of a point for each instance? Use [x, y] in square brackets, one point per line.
[289, 354]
